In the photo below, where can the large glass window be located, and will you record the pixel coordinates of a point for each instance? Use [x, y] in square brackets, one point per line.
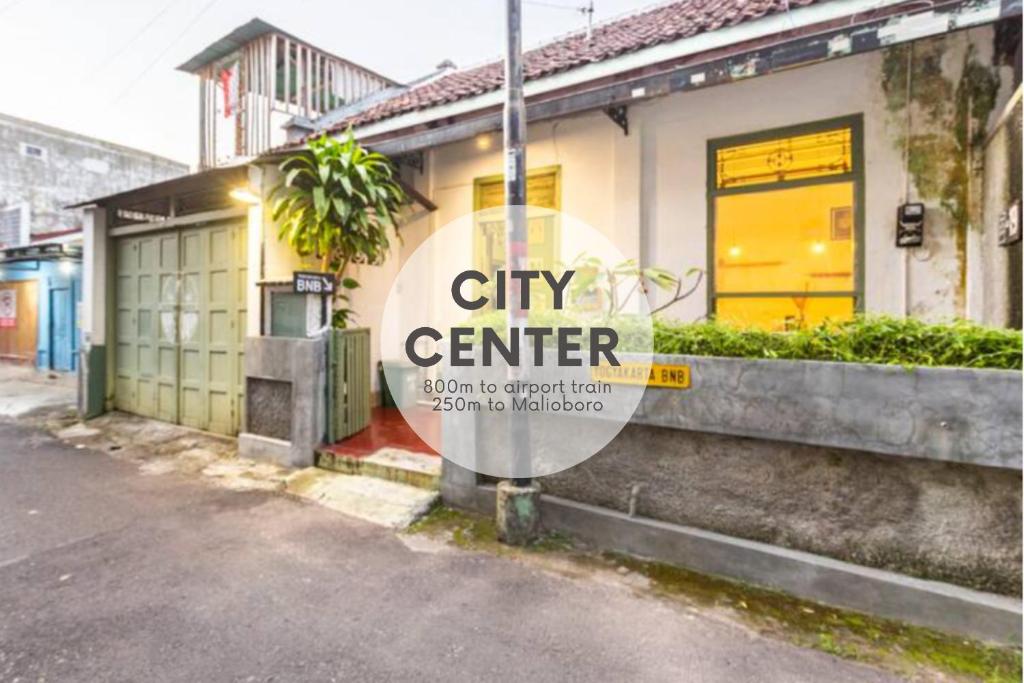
[785, 237]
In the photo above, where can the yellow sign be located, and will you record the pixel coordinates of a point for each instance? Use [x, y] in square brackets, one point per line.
[668, 376]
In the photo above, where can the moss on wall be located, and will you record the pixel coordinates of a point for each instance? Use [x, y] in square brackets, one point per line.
[945, 119]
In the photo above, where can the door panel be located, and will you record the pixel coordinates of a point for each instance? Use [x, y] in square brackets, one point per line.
[125, 333]
[61, 326]
[240, 242]
[145, 333]
[166, 327]
[19, 334]
[192, 376]
[180, 326]
[220, 324]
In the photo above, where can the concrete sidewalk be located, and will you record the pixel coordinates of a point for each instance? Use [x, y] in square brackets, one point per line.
[25, 389]
[107, 574]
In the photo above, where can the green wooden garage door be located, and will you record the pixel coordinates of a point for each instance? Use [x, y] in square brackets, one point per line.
[180, 326]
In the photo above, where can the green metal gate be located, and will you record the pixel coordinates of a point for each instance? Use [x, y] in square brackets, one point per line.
[348, 383]
[180, 326]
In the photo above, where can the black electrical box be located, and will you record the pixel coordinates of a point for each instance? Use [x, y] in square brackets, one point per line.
[1009, 225]
[910, 225]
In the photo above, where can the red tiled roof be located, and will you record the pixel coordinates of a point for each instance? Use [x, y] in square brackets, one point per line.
[662, 24]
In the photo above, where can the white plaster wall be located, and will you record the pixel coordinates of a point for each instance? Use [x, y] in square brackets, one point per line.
[648, 191]
[990, 295]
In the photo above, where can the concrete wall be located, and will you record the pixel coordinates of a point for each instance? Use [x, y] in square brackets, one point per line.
[996, 295]
[298, 367]
[917, 472]
[942, 521]
[951, 414]
[72, 168]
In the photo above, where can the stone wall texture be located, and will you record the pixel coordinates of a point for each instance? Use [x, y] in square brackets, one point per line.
[936, 520]
[70, 168]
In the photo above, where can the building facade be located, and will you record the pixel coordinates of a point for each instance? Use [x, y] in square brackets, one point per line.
[43, 170]
[775, 153]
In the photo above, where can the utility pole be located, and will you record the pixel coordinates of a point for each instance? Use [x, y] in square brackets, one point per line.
[516, 243]
[517, 513]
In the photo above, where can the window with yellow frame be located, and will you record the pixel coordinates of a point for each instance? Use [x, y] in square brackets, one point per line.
[784, 209]
[543, 189]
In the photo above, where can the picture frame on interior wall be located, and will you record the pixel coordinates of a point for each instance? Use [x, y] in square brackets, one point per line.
[841, 223]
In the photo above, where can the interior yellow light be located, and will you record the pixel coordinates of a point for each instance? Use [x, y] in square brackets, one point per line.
[243, 195]
[817, 247]
[734, 252]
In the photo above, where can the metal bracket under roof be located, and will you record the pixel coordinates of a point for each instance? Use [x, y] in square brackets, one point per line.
[411, 159]
[618, 114]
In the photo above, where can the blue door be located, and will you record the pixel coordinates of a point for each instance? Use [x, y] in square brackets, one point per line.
[62, 326]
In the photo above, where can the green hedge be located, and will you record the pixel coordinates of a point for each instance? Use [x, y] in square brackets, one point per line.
[866, 339]
[874, 339]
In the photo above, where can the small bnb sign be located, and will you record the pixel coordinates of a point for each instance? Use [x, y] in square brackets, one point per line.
[312, 283]
[658, 375]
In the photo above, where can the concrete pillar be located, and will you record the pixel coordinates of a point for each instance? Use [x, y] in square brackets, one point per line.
[254, 252]
[96, 262]
[518, 512]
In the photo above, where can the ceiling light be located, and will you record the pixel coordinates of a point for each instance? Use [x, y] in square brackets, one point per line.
[483, 142]
[242, 194]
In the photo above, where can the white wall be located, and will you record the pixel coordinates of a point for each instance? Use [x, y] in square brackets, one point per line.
[648, 191]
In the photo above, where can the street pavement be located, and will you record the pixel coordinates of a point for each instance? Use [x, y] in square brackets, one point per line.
[107, 574]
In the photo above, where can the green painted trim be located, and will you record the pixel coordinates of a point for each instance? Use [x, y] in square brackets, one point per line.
[786, 184]
[110, 325]
[478, 184]
[859, 209]
[94, 362]
[789, 131]
[349, 379]
[855, 122]
[555, 169]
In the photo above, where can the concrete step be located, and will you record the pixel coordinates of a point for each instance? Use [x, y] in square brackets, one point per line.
[391, 464]
[379, 501]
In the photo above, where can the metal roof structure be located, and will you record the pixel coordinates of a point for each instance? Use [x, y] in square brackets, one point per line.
[248, 32]
[41, 252]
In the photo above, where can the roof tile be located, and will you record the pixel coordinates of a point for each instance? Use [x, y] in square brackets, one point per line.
[645, 29]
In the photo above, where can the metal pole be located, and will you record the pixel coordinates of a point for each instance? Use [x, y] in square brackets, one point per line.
[515, 219]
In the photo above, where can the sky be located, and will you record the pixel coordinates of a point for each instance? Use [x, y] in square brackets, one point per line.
[107, 68]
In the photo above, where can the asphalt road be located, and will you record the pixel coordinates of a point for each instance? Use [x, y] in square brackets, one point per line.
[110, 575]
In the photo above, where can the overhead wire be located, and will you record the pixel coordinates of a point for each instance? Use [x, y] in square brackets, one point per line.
[195, 20]
[131, 41]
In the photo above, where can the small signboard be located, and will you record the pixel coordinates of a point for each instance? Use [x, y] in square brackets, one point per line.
[1009, 225]
[8, 308]
[313, 283]
[659, 375]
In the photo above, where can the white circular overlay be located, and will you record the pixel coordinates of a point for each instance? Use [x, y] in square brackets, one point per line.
[547, 396]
